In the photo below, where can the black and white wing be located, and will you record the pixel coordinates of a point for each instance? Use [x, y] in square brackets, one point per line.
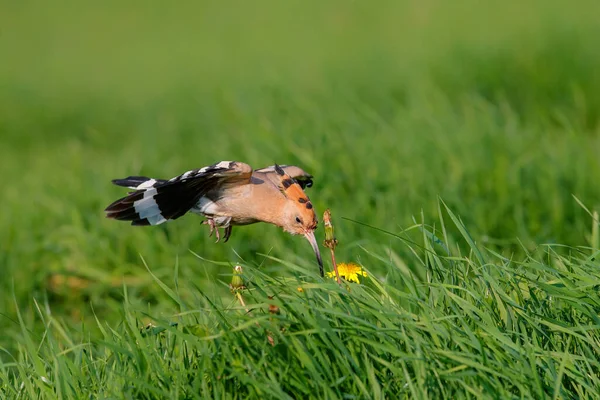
[155, 201]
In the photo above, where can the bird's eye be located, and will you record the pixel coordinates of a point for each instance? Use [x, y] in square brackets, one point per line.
[298, 220]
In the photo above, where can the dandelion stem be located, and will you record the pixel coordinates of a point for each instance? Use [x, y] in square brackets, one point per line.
[241, 299]
[335, 268]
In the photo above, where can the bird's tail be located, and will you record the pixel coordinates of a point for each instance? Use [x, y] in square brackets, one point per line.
[152, 201]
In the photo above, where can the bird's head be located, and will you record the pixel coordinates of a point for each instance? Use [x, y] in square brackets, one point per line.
[298, 217]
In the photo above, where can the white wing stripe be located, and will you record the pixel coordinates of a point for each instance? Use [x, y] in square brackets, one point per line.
[156, 219]
[147, 206]
[145, 185]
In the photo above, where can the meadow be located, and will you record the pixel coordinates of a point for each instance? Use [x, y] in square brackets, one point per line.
[457, 145]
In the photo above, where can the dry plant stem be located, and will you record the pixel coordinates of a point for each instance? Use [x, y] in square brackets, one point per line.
[331, 241]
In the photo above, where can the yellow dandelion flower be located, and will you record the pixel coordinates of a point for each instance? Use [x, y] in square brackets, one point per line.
[348, 271]
[300, 289]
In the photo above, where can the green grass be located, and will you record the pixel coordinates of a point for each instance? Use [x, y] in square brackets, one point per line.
[456, 146]
[475, 325]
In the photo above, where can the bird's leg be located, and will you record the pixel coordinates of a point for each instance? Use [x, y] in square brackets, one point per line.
[227, 233]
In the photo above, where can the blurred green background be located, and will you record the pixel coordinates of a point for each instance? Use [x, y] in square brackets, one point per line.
[492, 106]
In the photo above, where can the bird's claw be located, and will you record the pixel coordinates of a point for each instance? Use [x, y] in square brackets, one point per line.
[215, 229]
[227, 233]
[210, 223]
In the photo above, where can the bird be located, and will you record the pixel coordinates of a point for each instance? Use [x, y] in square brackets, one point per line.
[226, 193]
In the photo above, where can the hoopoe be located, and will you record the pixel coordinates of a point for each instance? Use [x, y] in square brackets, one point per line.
[227, 193]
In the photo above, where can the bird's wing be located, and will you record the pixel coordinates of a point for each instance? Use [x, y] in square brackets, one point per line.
[165, 200]
[229, 172]
[303, 178]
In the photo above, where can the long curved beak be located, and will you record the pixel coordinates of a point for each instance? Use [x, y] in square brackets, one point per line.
[310, 236]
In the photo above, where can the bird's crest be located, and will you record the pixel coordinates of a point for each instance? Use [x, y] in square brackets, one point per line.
[291, 189]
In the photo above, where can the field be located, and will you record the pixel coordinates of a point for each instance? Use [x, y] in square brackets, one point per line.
[457, 145]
